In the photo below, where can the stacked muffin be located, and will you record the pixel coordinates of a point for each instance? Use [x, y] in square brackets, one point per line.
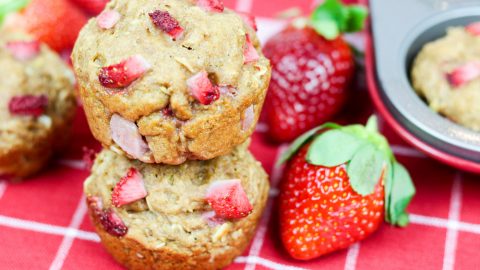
[173, 90]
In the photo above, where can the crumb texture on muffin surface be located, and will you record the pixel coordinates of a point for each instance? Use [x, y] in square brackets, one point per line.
[432, 67]
[37, 104]
[168, 229]
[176, 123]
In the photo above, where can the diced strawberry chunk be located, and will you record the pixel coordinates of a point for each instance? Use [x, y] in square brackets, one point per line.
[124, 73]
[23, 50]
[212, 220]
[464, 74]
[125, 133]
[473, 28]
[248, 118]
[202, 88]
[108, 19]
[129, 189]
[168, 24]
[250, 54]
[249, 20]
[211, 5]
[89, 156]
[28, 105]
[228, 199]
[112, 223]
[96, 204]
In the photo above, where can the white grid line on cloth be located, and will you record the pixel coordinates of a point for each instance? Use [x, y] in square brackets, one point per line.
[72, 163]
[93, 237]
[352, 255]
[244, 5]
[262, 228]
[47, 228]
[266, 263]
[453, 216]
[67, 241]
[3, 187]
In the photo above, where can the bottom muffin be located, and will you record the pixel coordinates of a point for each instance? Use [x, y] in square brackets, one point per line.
[198, 215]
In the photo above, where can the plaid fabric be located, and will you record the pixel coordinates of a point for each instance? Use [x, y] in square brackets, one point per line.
[43, 222]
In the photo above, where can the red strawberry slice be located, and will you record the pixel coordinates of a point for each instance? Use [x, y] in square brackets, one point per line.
[249, 20]
[129, 189]
[28, 105]
[473, 28]
[124, 73]
[108, 19]
[112, 223]
[23, 50]
[125, 133]
[250, 54]
[464, 74]
[91, 6]
[202, 88]
[228, 199]
[211, 5]
[212, 220]
[168, 24]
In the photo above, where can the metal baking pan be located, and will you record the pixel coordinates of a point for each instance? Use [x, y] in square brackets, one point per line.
[398, 30]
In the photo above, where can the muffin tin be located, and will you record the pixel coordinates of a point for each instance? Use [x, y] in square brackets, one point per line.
[399, 29]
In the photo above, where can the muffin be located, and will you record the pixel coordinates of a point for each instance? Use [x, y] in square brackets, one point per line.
[37, 104]
[170, 220]
[171, 80]
[446, 73]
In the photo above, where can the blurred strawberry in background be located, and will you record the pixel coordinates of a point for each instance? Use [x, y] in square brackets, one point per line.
[93, 7]
[54, 22]
[313, 67]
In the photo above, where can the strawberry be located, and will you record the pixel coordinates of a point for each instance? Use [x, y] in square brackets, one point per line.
[312, 68]
[165, 22]
[110, 221]
[250, 54]
[228, 199]
[108, 19]
[93, 7]
[249, 20]
[124, 73]
[129, 189]
[202, 88]
[473, 28]
[28, 105]
[23, 50]
[464, 74]
[211, 5]
[126, 135]
[53, 22]
[338, 186]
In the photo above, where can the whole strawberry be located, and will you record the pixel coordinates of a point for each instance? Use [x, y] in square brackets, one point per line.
[53, 22]
[339, 185]
[312, 69]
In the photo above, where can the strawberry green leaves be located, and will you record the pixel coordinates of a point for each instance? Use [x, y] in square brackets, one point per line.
[10, 6]
[332, 18]
[368, 159]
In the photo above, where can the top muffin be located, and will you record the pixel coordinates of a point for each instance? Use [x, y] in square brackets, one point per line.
[171, 80]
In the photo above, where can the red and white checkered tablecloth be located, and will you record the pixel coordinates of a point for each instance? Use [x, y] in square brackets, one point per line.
[43, 222]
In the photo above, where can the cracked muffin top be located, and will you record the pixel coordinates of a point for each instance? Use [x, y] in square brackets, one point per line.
[36, 103]
[161, 80]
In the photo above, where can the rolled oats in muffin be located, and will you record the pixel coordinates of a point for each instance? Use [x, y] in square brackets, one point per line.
[446, 73]
[166, 81]
[198, 215]
[37, 104]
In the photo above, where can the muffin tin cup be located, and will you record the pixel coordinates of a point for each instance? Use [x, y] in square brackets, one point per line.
[389, 57]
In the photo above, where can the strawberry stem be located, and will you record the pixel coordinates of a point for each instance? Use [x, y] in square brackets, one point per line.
[11, 6]
[332, 18]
